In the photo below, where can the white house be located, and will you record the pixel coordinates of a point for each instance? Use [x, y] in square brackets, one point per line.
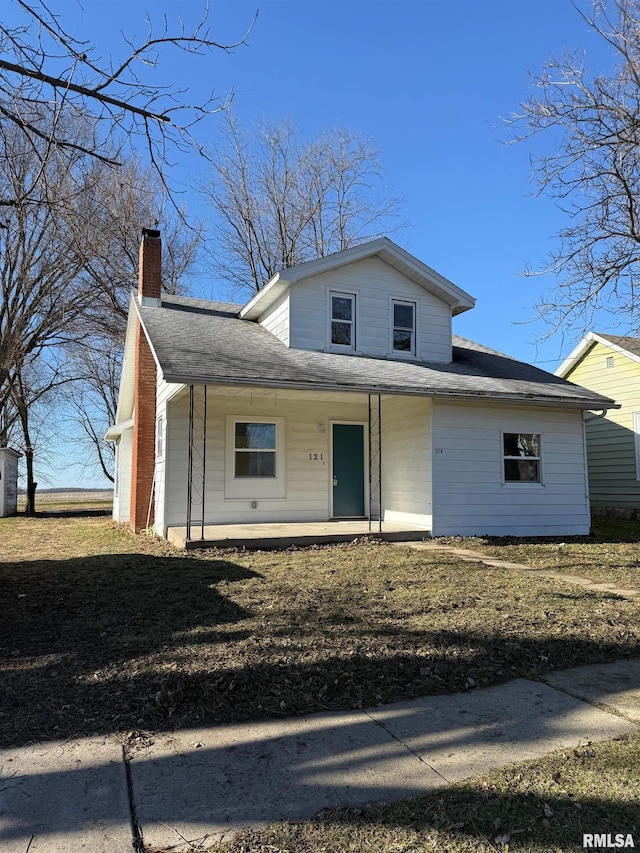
[339, 391]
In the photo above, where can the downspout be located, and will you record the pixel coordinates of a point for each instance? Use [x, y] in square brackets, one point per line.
[602, 414]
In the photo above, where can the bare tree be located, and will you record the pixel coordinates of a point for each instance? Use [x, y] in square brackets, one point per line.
[32, 384]
[92, 398]
[591, 127]
[46, 74]
[66, 271]
[278, 201]
[41, 293]
[107, 222]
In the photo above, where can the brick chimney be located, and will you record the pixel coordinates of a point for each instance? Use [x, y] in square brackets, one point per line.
[143, 457]
[150, 268]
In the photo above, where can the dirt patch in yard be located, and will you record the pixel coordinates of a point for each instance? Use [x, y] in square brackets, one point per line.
[104, 631]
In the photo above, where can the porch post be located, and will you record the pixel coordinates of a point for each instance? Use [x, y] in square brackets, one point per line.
[375, 457]
[190, 464]
[204, 455]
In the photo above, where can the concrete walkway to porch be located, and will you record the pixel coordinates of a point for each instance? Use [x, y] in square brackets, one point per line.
[282, 535]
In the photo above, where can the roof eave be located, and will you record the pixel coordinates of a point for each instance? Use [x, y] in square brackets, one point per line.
[566, 402]
[388, 251]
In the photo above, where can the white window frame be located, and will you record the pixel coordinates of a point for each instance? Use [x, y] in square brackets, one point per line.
[354, 321]
[254, 488]
[397, 353]
[503, 458]
[159, 437]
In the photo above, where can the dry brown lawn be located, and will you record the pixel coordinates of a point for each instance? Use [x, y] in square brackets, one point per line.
[610, 555]
[105, 631]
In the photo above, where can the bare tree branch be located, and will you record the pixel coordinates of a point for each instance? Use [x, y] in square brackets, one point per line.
[590, 123]
[278, 201]
[45, 72]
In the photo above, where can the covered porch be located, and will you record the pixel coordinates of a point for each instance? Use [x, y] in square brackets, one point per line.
[284, 535]
[278, 467]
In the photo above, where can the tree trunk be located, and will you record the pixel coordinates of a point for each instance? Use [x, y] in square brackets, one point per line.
[30, 508]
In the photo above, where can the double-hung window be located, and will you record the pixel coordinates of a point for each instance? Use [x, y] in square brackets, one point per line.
[404, 327]
[521, 457]
[343, 320]
[255, 449]
[255, 457]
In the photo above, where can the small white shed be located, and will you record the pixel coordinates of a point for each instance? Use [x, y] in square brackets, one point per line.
[8, 481]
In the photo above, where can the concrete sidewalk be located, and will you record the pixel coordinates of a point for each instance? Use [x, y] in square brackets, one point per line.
[197, 786]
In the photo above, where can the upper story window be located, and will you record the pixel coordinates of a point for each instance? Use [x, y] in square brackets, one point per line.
[521, 457]
[343, 320]
[404, 327]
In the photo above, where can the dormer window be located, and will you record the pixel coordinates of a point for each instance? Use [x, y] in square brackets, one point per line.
[404, 327]
[343, 320]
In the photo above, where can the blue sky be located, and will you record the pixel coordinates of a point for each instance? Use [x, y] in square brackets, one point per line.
[428, 81]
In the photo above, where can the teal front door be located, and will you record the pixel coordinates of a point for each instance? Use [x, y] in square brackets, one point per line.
[348, 470]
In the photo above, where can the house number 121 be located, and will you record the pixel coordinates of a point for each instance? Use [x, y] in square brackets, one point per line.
[316, 457]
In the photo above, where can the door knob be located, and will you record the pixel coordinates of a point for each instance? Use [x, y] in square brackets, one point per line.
[335, 480]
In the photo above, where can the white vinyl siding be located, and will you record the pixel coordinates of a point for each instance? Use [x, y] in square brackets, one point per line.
[373, 283]
[121, 501]
[307, 456]
[164, 392]
[469, 494]
[276, 320]
[406, 460]
[307, 434]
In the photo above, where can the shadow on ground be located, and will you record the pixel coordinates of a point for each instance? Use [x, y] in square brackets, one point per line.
[117, 642]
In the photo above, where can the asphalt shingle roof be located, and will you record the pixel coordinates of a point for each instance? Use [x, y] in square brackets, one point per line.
[196, 341]
[632, 345]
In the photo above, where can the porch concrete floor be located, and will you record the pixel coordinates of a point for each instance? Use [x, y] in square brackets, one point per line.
[283, 535]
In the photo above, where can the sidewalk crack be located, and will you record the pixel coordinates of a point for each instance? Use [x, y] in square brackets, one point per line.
[601, 706]
[136, 830]
[407, 747]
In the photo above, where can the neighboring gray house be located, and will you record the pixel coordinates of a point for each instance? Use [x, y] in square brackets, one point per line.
[339, 391]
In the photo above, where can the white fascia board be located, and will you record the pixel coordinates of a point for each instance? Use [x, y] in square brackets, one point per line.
[124, 408]
[114, 432]
[387, 250]
[264, 298]
[616, 347]
[584, 346]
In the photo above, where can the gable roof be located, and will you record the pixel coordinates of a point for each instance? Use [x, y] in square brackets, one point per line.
[628, 346]
[200, 342]
[383, 248]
